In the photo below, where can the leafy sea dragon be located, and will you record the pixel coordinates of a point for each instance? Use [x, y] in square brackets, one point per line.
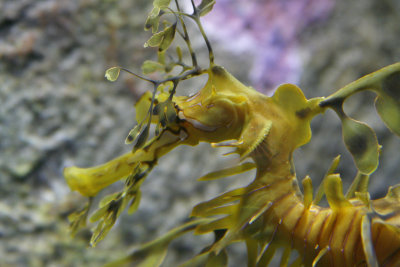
[271, 212]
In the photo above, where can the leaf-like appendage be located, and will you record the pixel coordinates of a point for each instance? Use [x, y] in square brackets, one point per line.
[162, 39]
[134, 205]
[153, 20]
[166, 113]
[78, 219]
[107, 199]
[389, 111]
[133, 134]
[142, 107]
[107, 216]
[150, 66]
[170, 111]
[162, 117]
[169, 34]
[391, 86]
[362, 143]
[388, 102]
[98, 214]
[155, 40]
[205, 7]
[161, 3]
[142, 138]
[112, 73]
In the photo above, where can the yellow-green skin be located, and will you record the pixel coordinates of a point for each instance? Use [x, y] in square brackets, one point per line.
[223, 110]
[271, 210]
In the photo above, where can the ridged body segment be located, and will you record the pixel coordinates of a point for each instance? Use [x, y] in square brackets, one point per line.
[309, 231]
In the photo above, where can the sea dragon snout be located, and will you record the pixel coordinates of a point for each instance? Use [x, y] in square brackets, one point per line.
[216, 113]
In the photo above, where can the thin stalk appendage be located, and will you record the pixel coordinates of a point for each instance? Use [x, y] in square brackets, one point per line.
[185, 37]
[196, 17]
[210, 50]
[139, 76]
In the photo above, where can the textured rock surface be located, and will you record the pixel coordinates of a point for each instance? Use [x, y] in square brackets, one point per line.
[57, 110]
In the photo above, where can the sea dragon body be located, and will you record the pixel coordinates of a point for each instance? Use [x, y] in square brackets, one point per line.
[271, 212]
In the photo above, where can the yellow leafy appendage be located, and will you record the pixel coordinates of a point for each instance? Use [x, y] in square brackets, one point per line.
[271, 212]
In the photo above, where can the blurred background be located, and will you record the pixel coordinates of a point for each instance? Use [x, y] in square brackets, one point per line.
[57, 110]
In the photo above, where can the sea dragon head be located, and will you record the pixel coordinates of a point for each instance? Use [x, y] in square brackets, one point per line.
[227, 113]
[224, 113]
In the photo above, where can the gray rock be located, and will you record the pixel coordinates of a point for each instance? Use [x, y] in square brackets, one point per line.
[57, 110]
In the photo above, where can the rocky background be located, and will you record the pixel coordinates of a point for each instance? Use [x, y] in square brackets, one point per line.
[57, 110]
